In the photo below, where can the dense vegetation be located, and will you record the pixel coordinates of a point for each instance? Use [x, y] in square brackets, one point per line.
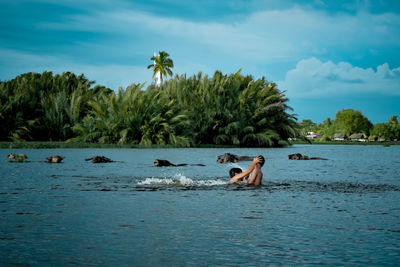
[349, 121]
[222, 109]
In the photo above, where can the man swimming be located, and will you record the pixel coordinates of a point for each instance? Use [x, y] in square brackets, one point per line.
[254, 169]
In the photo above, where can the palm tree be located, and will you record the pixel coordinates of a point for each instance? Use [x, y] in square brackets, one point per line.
[162, 65]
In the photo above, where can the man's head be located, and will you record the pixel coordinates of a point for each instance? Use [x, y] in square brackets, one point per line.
[234, 171]
[262, 160]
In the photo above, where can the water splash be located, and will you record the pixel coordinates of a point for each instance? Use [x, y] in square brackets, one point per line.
[181, 180]
[236, 165]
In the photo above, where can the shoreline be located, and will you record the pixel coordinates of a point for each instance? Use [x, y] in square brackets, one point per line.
[61, 144]
[375, 143]
[49, 144]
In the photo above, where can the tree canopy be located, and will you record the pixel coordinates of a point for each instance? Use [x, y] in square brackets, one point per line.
[221, 109]
[387, 131]
[350, 122]
[44, 106]
[162, 64]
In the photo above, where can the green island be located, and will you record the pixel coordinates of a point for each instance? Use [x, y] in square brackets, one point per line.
[43, 110]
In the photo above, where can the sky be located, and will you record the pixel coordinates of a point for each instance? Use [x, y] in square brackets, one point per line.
[325, 55]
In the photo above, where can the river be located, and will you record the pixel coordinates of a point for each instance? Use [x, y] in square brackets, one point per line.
[340, 211]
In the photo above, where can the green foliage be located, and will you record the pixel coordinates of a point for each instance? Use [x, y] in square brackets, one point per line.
[233, 109]
[221, 110]
[198, 110]
[352, 121]
[349, 121]
[43, 106]
[387, 131]
[306, 126]
[133, 116]
[162, 63]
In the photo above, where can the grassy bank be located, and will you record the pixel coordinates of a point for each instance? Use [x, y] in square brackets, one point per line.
[37, 145]
[387, 143]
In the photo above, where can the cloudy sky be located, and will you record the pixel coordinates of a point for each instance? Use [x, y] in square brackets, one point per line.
[326, 55]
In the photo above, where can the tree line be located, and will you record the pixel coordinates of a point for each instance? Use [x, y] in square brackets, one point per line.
[349, 121]
[221, 109]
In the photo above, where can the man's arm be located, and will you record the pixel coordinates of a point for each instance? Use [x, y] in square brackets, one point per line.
[256, 177]
[246, 173]
[238, 177]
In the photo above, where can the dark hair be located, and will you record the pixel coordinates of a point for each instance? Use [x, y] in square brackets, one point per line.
[234, 171]
[262, 160]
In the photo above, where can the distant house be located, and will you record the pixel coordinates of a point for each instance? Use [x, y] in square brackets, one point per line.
[312, 135]
[339, 137]
[360, 137]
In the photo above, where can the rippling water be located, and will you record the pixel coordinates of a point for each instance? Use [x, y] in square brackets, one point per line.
[342, 211]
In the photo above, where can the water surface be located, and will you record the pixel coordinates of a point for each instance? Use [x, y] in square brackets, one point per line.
[341, 211]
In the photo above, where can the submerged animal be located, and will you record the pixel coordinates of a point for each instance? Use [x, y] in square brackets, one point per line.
[54, 159]
[17, 158]
[298, 156]
[228, 157]
[99, 159]
[166, 163]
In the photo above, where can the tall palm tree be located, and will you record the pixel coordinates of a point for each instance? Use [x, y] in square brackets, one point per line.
[162, 65]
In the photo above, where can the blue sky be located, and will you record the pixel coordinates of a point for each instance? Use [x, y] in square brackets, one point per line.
[326, 55]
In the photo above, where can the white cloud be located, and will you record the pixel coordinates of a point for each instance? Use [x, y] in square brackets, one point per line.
[313, 78]
[14, 63]
[263, 36]
[263, 42]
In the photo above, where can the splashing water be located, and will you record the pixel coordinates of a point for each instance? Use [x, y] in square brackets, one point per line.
[181, 180]
[236, 165]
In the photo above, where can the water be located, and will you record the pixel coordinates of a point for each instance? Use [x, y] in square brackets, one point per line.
[343, 211]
